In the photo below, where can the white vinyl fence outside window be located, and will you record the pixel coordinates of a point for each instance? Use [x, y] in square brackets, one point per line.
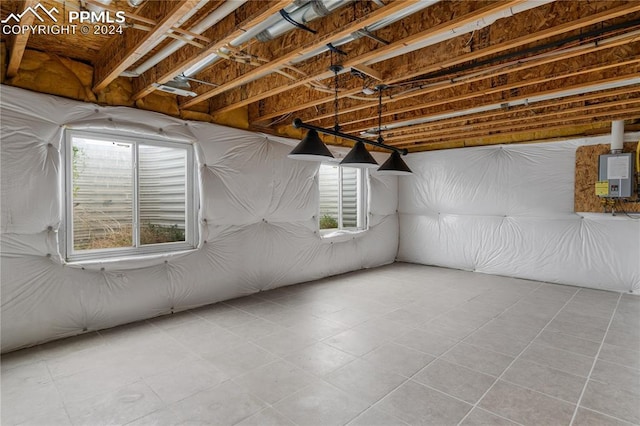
[342, 197]
[127, 196]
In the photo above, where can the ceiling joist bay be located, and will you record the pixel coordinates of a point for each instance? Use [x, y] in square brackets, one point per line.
[454, 73]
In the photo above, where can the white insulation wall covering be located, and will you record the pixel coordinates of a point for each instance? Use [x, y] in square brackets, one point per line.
[508, 210]
[258, 224]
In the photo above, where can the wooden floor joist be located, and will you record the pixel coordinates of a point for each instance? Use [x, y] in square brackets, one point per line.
[321, 40]
[457, 73]
[449, 83]
[19, 41]
[116, 57]
[324, 73]
[475, 94]
[515, 122]
[178, 62]
[632, 112]
[547, 109]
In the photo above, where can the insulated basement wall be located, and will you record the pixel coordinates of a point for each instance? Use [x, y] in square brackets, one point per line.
[257, 219]
[508, 210]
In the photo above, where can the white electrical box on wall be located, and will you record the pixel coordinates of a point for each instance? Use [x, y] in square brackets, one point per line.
[616, 173]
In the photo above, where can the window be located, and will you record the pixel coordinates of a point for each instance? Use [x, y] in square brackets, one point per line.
[342, 197]
[127, 196]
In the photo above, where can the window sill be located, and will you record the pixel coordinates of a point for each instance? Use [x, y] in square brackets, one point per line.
[139, 259]
[339, 235]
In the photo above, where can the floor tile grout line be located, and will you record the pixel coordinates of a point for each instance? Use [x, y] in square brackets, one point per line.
[444, 393]
[595, 361]
[518, 356]
[608, 415]
[451, 348]
[55, 385]
[372, 318]
[361, 357]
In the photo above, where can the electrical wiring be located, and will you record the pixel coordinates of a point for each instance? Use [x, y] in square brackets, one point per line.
[618, 204]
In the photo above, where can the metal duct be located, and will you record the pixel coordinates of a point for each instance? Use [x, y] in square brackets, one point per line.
[384, 22]
[463, 29]
[272, 27]
[95, 7]
[213, 18]
[313, 10]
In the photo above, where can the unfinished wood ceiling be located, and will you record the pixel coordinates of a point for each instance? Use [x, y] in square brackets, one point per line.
[456, 73]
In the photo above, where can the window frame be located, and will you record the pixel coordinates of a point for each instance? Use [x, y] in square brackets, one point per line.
[362, 206]
[191, 198]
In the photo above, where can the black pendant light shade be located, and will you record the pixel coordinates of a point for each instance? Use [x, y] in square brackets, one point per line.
[359, 157]
[394, 165]
[311, 148]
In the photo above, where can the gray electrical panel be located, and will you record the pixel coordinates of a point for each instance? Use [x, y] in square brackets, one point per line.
[617, 171]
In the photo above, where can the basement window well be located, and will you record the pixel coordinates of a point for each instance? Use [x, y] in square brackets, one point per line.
[343, 199]
[127, 196]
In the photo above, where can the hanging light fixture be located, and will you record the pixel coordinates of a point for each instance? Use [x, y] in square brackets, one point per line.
[394, 165]
[311, 147]
[358, 157]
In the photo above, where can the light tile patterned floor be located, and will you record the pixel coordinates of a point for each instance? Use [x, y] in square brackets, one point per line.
[402, 344]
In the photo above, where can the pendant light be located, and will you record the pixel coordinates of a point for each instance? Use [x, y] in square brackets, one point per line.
[394, 165]
[311, 148]
[358, 157]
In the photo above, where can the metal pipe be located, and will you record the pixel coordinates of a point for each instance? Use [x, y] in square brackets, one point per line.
[217, 15]
[617, 136]
[463, 29]
[384, 22]
[512, 103]
[273, 27]
[299, 124]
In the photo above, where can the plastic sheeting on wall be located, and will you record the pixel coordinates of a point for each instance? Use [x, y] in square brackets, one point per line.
[508, 210]
[258, 224]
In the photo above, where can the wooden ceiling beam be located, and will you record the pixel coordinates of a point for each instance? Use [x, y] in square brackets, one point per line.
[633, 111]
[320, 69]
[222, 34]
[471, 92]
[123, 51]
[521, 41]
[550, 134]
[320, 39]
[19, 41]
[424, 129]
[450, 82]
[514, 120]
[395, 70]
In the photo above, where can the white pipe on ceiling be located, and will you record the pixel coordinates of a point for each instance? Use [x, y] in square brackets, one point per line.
[94, 7]
[384, 22]
[617, 136]
[213, 18]
[463, 29]
[493, 107]
[275, 26]
[413, 8]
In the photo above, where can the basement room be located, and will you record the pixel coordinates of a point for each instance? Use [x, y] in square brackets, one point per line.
[320, 212]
